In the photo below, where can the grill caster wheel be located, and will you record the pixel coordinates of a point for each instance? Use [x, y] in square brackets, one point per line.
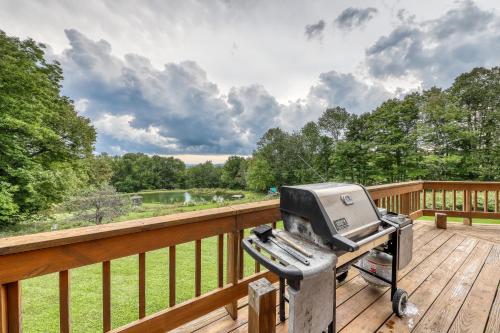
[399, 302]
[341, 277]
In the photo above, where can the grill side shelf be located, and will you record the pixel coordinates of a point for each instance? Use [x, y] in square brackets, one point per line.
[289, 272]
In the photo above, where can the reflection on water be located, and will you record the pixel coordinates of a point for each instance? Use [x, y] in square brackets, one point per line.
[184, 197]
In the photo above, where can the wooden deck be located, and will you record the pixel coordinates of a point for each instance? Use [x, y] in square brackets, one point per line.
[453, 283]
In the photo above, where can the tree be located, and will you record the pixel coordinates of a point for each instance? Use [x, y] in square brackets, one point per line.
[259, 175]
[98, 204]
[334, 121]
[233, 172]
[99, 169]
[478, 94]
[137, 171]
[42, 138]
[204, 175]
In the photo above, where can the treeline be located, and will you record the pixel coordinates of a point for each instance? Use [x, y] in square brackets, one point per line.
[135, 172]
[451, 134]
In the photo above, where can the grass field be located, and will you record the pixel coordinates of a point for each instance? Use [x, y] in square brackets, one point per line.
[40, 295]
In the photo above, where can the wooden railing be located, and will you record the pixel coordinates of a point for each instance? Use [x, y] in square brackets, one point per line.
[59, 252]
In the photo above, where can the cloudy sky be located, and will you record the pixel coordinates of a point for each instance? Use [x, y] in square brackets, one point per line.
[205, 79]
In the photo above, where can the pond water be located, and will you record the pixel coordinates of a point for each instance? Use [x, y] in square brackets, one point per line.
[184, 197]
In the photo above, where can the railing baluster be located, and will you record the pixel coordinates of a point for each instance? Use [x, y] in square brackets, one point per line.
[257, 265]
[485, 201]
[232, 269]
[220, 260]
[433, 199]
[106, 296]
[142, 285]
[197, 268]
[496, 202]
[64, 299]
[443, 199]
[454, 199]
[476, 205]
[467, 207]
[3, 308]
[424, 199]
[171, 275]
[10, 308]
[241, 261]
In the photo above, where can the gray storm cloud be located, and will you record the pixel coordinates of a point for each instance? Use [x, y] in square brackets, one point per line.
[177, 109]
[315, 30]
[352, 18]
[436, 51]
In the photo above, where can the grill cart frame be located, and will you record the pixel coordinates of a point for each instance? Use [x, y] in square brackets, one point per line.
[338, 219]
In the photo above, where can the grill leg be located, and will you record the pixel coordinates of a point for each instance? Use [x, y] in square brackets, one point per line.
[282, 300]
[395, 260]
[331, 327]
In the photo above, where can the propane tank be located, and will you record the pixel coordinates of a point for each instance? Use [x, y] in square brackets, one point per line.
[379, 263]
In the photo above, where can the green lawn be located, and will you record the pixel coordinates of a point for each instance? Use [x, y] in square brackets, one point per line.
[40, 295]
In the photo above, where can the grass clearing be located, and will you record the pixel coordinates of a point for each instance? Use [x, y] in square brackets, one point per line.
[40, 294]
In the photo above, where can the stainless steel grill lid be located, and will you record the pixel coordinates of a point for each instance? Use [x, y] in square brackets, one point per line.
[333, 214]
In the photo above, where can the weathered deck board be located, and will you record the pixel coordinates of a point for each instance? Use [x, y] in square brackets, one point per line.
[453, 283]
[473, 315]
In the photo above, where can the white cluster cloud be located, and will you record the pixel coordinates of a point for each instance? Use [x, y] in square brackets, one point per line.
[436, 51]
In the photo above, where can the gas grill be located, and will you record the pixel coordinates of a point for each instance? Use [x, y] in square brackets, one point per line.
[328, 228]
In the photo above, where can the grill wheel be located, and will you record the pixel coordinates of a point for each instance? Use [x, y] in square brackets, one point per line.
[399, 302]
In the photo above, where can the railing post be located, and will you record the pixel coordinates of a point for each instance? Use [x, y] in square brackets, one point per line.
[10, 308]
[232, 268]
[3, 309]
[467, 207]
[261, 307]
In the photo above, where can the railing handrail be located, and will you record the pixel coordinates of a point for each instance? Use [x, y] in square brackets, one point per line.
[17, 244]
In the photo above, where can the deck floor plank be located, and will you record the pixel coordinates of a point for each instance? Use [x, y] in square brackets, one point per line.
[350, 309]
[370, 319]
[441, 314]
[473, 315]
[453, 283]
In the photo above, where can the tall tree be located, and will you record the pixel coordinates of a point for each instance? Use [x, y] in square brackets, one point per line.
[233, 172]
[205, 175]
[478, 94]
[41, 135]
[260, 176]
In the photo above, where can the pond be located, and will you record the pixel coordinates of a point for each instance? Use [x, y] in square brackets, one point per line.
[187, 197]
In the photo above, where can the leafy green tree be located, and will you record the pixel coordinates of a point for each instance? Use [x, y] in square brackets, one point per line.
[441, 135]
[134, 172]
[393, 132]
[204, 175]
[98, 204]
[334, 122]
[478, 95]
[259, 175]
[99, 169]
[233, 172]
[353, 157]
[42, 138]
